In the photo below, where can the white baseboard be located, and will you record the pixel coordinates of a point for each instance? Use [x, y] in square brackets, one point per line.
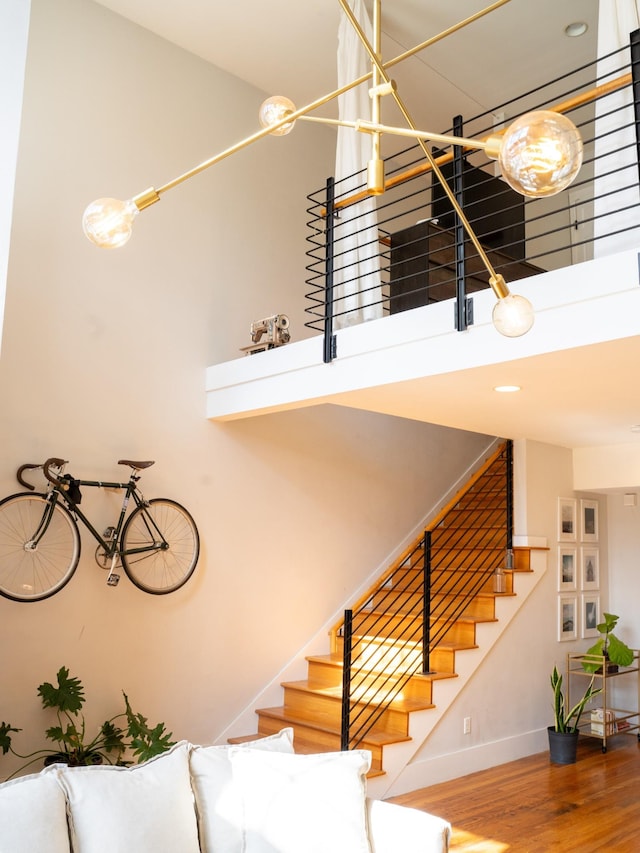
[442, 768]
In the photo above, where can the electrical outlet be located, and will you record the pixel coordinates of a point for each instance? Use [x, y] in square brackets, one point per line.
[466, 725]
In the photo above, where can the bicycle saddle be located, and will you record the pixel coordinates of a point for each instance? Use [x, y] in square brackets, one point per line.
[138, 465]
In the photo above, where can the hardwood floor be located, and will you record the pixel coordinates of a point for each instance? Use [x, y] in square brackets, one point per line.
[533, 806]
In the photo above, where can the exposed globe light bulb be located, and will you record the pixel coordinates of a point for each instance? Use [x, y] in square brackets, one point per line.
[275, 109]
[108, 222]
[513, 315]
[540, 153]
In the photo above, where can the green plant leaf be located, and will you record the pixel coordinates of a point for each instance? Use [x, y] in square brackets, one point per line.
[610, 622]
[596, 651]
[113, 737]
[619, 652]
[145, 741]
[65, 738]
[558, 700]
[67, 696]
[111, 740]
[576, 712]
[567, 721]
[5, 736]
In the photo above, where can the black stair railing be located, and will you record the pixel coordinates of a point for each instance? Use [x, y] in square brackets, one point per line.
[423, 253]
[392, 637]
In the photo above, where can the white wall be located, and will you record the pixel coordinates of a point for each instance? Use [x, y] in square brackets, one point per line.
[104, 357]
[624, 584]
[14, 25]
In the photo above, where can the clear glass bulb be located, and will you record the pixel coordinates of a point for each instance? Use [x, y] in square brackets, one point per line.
[541, 153]
[513, 315]
[273, 110]
[108, 222]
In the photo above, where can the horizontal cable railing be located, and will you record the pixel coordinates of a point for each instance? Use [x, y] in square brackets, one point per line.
[398, 251]
[391, 636]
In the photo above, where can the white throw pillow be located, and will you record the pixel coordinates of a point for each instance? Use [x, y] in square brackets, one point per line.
[33, 817]
[303, 803]
[147, 808]
[217, 799]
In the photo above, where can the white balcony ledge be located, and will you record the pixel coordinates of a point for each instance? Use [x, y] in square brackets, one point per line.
[574, 366]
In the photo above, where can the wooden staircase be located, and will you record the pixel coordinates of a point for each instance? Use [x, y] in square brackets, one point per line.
[466, 542]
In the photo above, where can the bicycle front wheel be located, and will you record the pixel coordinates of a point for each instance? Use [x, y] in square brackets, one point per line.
[159, 546]
[39, 547]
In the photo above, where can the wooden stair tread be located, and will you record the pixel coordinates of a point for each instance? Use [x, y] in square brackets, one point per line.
[336, 661]
[457, 647]
[288, 718]
[335, 692]
[463, 619]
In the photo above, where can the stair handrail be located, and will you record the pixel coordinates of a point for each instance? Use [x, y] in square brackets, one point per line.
[359, 713]
[336, 629]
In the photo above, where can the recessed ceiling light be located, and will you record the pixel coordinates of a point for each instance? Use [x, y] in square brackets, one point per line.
[575, 29]
[507, 389]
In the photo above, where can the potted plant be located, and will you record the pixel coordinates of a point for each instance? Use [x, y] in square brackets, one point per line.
[608, 649]
[126, 731]
[563, 735]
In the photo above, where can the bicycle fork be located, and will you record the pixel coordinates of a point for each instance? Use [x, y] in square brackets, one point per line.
[32, 543]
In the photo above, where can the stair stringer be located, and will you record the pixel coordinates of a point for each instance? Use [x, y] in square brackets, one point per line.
[397, 757]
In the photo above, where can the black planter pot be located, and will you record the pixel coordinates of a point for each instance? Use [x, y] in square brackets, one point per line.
[563, 746]
[65, 758]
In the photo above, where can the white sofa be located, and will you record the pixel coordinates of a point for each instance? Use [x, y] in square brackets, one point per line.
[259, 797]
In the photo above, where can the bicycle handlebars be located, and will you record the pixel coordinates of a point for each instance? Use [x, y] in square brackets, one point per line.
[19, 475]
[58, 463]
[45, 467]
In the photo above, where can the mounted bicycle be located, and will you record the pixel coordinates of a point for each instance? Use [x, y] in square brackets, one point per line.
[157, 544]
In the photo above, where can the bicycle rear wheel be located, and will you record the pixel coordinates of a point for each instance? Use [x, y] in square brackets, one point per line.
[159, 546]
[39, 547]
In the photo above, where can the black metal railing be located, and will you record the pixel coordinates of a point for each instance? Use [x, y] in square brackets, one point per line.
[393, 635]
[418, 249]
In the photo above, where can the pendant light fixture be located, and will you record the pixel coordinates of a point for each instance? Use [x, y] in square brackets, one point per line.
[540, 154]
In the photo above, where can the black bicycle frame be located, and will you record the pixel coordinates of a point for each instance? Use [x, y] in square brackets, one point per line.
[110, 545]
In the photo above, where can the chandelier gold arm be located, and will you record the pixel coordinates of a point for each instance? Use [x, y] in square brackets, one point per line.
[375, 166]
[496, 281]
[154, 194]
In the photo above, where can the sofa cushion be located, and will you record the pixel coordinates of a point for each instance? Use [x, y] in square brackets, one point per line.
[303, 803]
[33, 816]
[217, 799]
[147, 808]
[394, 828]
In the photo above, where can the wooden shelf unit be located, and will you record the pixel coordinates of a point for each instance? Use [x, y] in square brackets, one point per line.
[629, 719]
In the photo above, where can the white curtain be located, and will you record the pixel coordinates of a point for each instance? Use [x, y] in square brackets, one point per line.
[615, 150]
[357, 265]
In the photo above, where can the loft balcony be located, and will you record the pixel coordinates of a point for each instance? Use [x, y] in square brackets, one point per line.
[415, 338]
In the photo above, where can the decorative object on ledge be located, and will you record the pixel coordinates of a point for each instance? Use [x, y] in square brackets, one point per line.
[540, 154]
[268, 333]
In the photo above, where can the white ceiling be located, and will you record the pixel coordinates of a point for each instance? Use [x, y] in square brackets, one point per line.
[515, 47]
[289, 47]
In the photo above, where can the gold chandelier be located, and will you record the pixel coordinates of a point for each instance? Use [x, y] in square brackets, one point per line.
[540, 154]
